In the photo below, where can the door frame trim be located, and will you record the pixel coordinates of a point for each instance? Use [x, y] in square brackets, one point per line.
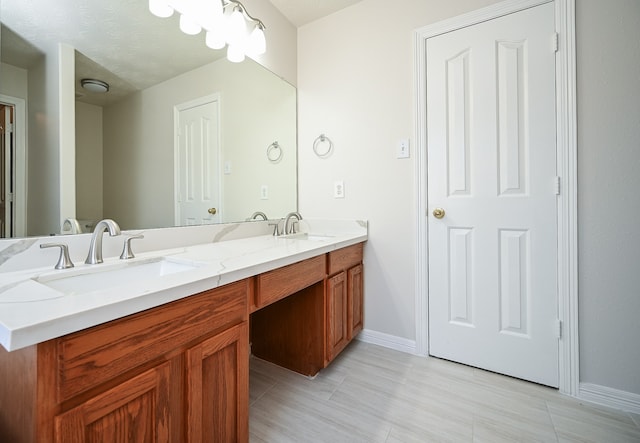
[176, 150]
[566, 145]
[21, 176]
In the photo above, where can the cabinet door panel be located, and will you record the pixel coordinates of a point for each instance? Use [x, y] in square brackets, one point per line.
[218, 388]
[134, 411]
[336, 315]
[96, 355]
[356, 300]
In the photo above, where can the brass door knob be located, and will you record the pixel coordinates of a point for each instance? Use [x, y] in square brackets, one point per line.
[212, 211]
[438, 212]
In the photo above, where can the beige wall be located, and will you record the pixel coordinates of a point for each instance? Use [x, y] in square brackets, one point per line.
[43, 150]
[281, 38]
[355, 80]
[88, 162]
[13, 81]
[608, 183]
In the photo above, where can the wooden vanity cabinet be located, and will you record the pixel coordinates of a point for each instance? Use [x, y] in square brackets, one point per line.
[175, 373]
[306, 313]
[344, 298]
[180, 372]
[288, 323]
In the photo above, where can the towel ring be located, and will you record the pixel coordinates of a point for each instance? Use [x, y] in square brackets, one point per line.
[322, 139]
[274, 152]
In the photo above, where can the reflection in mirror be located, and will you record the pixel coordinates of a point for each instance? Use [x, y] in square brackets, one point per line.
[145, 156]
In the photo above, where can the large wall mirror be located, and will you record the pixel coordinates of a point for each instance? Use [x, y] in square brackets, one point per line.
[179, 124]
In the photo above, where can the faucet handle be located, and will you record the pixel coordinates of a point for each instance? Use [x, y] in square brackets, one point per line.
[127, 253]
[64, 261]
[276, 228]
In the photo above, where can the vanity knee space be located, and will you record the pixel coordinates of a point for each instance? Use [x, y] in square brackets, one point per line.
[305, 314]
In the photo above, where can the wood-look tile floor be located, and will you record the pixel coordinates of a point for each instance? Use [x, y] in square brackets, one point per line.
[374, 394]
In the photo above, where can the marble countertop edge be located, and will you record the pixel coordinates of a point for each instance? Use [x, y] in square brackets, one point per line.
[35, 321]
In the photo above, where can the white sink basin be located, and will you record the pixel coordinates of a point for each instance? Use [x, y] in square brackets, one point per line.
[103, 276]
[308, 236]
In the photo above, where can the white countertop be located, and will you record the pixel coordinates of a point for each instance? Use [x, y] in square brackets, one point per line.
[32, 312]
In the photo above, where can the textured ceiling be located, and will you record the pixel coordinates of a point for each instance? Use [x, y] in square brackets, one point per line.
[301, 12]
[119, 41]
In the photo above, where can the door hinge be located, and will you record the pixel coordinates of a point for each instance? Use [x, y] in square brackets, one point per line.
[556, 185]
[554, 42]
[558, 328]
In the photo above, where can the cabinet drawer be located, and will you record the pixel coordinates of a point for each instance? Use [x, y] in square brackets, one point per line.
[277, 284]
[344, 258]
[96, 355]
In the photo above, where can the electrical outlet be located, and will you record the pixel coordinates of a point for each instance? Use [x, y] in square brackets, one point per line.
[338, 189]
[264, 192]
[227, 167]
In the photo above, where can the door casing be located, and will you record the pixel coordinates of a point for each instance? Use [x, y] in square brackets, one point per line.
[566, 126]
[21, 179]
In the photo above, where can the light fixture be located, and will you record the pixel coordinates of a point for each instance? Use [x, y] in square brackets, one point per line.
[93, 85]
[160, 8]
[226, 22]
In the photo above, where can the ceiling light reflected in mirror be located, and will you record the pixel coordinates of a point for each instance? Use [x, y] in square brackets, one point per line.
[93, 85]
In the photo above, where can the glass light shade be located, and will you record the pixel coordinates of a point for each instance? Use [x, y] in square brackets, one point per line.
[160, 8]
[236, 27]
[256, 44]
[235, 53]
[215, 39]
[211, 14]
[188, 26]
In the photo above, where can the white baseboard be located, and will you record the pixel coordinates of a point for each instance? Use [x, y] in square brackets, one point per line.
[614, 398]
[388, 341]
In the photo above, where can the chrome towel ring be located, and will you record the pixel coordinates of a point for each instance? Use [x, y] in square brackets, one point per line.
[274, 152]
[323, 146]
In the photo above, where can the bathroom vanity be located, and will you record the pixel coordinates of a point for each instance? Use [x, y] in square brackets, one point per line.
[179, 371]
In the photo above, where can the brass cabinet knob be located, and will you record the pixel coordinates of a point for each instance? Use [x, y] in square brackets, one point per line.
[438, 212]
[212, 211]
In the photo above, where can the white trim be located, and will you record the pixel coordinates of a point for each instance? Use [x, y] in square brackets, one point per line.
[20, 134]
[613, 398]
[176, 151]
[567, 169]
[567, 146]
[388, 341]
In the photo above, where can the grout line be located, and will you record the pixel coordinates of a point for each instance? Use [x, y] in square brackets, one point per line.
[386, 439]
[553, 425]
[635, 418]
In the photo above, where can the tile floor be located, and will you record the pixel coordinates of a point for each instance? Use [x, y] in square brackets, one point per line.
[374, 394]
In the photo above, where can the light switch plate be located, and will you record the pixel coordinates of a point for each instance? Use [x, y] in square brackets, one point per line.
[403, 148]
[227, 167]
[264, 192]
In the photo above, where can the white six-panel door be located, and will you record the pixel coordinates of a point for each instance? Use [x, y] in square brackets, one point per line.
[198, 174]
[492, 169]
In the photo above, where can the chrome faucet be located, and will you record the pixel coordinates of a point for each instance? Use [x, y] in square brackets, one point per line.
[257, 214]
[291, 229]
[95, 248]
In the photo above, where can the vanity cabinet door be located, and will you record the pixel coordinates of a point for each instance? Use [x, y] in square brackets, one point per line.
[136, 410]
[217, 396]
[355, 296]
[337, 315]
